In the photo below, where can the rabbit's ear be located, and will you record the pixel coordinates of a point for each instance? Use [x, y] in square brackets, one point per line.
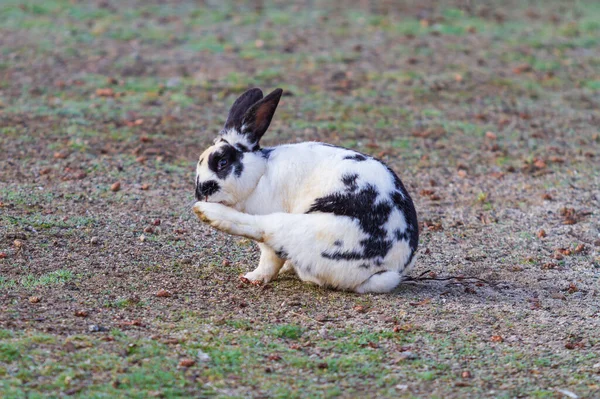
[258, 117]
[240, 106]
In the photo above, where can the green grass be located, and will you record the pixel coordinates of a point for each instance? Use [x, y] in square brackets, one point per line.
[238, 360]
[53, 278]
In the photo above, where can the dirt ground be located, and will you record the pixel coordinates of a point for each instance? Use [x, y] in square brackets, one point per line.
[110, 287]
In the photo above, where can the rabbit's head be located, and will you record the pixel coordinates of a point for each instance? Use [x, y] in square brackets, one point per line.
[228, 171]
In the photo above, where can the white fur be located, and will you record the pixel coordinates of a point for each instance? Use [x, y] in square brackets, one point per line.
[269, 201]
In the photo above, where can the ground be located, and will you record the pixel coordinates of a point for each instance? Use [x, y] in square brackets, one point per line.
[109, 285]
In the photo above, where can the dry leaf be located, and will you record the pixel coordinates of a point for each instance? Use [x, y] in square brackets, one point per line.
[421, 303]
[105, 92]
[187, 363]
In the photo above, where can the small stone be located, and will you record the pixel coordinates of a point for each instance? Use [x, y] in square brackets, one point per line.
[94, 240]
[497, 338]
[466, 374]
[402, 387]
[173, 82]
[18, 244]
[186, 261]
[34, 299]
[142, 238]
[540, 164]
[163, 294]
[408, 355]
[144, 187]
[115, 187]
[203, 357]
[541, 233]
[558, 295]
[149, 230]
[81, 313]
[96, 328]
[491, 135]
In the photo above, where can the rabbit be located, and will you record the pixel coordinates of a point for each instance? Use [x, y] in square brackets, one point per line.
[339, 218]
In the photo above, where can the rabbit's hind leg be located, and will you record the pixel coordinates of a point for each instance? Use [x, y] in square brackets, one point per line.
[229, 220]
[380, 283]
[268, 267]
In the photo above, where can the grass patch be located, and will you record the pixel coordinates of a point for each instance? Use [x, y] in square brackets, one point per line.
[53, 278]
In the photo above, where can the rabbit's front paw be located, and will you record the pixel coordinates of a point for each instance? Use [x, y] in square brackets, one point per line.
[208, 212]
[256, 277]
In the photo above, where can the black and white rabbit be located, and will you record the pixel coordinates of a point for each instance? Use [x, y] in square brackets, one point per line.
[338, 217]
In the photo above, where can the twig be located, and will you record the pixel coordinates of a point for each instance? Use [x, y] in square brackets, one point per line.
[570, 232]
[305, 316]
[459, 278]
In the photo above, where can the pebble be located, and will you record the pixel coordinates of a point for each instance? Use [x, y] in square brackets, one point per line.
[94, 240]
[203, 357]
[96, 328]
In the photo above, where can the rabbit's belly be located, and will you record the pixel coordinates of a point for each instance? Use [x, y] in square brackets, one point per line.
[334, 250]
[326, 250]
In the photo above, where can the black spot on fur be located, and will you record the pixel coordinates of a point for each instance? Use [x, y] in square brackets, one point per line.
[234, 161]
[404, 203]
[356, 157]
[367, 206]
[350, 181]
[364, 265]
[241, 147]
[338, 243]
[360, 205]
[206, 189]
[266, 152]
[282, 254]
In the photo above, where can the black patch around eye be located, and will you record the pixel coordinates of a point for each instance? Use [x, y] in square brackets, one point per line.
[206, 189]
[356, 157]
[234, 161]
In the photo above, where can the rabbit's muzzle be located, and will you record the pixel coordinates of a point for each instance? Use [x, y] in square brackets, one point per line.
[206, 189]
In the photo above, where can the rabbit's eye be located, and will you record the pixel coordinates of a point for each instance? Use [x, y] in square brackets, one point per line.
[222, 163]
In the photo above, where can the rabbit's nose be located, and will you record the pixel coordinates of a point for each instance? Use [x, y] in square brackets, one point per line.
[206, 189]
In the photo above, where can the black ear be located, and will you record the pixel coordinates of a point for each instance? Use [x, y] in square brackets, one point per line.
[240, 106]
[257, 118]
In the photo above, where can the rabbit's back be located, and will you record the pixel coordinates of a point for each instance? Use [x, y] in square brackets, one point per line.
[309, 178]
